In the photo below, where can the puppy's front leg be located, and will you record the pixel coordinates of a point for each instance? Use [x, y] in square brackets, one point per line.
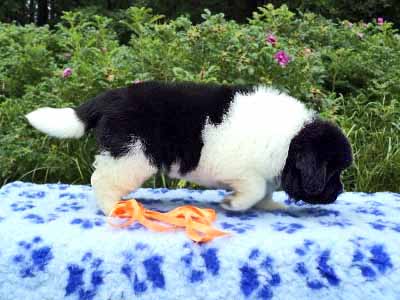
[247, 192]
[268, 204]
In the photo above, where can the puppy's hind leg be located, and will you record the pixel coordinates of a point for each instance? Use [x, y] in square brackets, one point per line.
[247, 192]
[114, 178]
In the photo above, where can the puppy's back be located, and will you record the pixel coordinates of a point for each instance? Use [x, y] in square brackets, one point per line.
[167, 118]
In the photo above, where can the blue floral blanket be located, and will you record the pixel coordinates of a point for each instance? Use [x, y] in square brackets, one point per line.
[55, 244]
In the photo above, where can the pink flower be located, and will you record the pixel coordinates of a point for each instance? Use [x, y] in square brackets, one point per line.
[137, 81]
[271, 39]
[67, 72]
[282, 58]
[380, 21]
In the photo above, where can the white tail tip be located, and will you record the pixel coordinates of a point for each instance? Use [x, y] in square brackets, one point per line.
[57, 122]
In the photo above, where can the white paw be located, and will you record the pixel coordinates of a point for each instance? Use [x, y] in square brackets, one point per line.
[235, 204]
[270, 205]
[106, 209]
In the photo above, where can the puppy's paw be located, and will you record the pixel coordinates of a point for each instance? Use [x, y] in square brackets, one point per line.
[106, 208]
[233, 203]
[270, 205]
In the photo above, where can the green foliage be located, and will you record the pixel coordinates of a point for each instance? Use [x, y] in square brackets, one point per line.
[26, 57]
[348, 72]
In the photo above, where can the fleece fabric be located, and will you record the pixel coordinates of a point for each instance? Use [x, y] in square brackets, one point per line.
[55, 244]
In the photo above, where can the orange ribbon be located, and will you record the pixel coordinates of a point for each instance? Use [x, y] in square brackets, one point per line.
[196, 221]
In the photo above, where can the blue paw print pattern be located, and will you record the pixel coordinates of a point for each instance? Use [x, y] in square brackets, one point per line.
[258, 276]
[290, 201]
[37, 219]
[304, 248]
[85, 278]
[239, 227]
[32, 194]
[315, 267]
[60, 186]
[382, 225]
[372, 210]
[73, 196]
[372, 261]
[22, 205]
[144, 272]
[67, 207]
[341, 223]
[200, 263]
[289, 228]
[33, 257]
[86, 223]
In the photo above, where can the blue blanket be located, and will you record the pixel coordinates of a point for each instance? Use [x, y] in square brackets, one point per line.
[55, 244]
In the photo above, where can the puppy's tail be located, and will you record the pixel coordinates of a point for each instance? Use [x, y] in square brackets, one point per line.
[66, 122]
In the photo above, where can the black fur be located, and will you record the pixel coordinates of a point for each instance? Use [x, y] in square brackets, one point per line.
[167, 118]
[317, 155]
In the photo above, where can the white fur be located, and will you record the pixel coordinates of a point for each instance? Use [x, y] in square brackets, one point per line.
[114, 178]
[57, 122]
[246, 153]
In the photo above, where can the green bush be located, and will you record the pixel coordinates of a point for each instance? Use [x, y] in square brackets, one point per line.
[348, 72]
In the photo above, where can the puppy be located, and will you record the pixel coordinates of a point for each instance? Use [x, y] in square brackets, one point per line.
[248, 139]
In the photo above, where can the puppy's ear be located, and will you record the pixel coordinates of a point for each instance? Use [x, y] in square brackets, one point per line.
[313, 173]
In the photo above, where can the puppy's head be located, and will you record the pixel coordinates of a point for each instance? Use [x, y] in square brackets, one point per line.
[317, 156]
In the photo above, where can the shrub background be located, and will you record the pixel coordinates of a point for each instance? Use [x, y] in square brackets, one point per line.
[348, 72]
[50, 11]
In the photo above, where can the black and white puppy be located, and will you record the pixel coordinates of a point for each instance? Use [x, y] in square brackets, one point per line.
[248, 139]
